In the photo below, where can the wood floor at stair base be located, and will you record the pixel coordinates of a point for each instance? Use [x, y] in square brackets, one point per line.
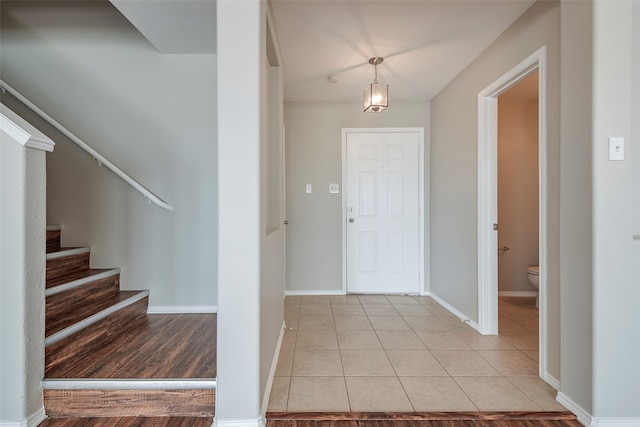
[85, 341]
[129, 422]
[129, 403]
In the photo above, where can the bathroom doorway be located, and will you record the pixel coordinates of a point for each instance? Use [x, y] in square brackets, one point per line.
[518, 232]
[489, 247]
[518, 216]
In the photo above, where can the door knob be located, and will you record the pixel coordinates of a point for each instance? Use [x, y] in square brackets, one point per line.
[351, 220]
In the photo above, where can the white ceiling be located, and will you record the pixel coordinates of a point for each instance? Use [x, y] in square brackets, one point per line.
[425, 43]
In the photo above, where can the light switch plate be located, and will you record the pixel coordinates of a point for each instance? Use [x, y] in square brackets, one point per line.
[616, 148]
[334, 188]
[308, 189]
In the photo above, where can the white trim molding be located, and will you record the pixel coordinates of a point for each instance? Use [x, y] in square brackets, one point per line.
[32, 421]
[615, 422]
[424, 266]
[182, 309]
[130, 384]
[314, 292]
[584, 417]
[22, 131]
[552, 381]
[518, 294]
[272, 372]
[487, 196]
[249, 422]
[453, 310]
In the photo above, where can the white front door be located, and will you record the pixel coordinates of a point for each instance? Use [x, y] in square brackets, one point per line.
[382, 211]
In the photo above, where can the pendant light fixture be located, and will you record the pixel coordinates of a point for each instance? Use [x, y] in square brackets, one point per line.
[376, 95]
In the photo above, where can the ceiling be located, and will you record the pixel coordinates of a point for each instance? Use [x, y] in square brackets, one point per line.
[424, 43]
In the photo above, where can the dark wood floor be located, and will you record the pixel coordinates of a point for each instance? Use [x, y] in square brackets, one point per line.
[432, 419]
[163, 346]
[469, 419]
[129, 422]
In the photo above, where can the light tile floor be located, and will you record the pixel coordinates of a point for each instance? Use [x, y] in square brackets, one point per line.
[364, 353]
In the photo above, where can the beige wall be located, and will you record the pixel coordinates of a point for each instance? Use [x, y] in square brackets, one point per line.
[517, 190]
[576, 206]
[635, 112]
[152, 115]
[454, 167]
[314, 156]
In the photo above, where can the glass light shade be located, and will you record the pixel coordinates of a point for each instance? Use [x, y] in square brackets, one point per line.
[376, 98]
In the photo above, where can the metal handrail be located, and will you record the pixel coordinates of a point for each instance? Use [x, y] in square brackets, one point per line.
[97, 156]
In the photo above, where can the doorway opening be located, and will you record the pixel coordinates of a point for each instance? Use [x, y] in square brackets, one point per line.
[488, 224]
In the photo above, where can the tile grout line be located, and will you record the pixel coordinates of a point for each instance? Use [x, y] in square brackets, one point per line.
[454, 331]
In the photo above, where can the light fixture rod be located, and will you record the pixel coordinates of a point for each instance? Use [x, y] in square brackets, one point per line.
[375, 61]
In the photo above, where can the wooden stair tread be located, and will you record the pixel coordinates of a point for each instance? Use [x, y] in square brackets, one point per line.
[70, 277]
[162, 346]
[104, 357]
[82, 312]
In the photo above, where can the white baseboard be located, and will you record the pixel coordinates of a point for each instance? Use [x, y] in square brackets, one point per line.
[552, 381]
[182, 309]
[32, 421]
[272, 372]
[314, 293]
[37, 418]
[249, 422]
[454, 311]
[518, 294]
[584, 417]
[615, 422]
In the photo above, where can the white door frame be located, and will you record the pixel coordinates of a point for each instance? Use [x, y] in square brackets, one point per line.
[422, 263]
[488, 197]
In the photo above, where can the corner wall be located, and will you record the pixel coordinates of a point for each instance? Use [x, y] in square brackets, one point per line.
[576, 205]
[454, 167]
[616, 256]
[22, 281]
[250, 256]
[314, 156]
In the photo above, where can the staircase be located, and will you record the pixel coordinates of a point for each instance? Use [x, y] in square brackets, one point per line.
[93, 330]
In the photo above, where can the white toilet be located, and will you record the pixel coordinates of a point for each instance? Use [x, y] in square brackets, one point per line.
[532, 275]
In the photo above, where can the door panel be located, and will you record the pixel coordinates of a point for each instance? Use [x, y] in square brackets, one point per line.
[382, 242]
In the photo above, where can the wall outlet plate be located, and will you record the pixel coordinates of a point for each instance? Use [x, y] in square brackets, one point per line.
[334, 188]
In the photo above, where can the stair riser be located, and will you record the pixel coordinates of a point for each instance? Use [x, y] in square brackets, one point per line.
[129, 403]
[88, 339]
[60, 266]
[53, 240]
[61, 303]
